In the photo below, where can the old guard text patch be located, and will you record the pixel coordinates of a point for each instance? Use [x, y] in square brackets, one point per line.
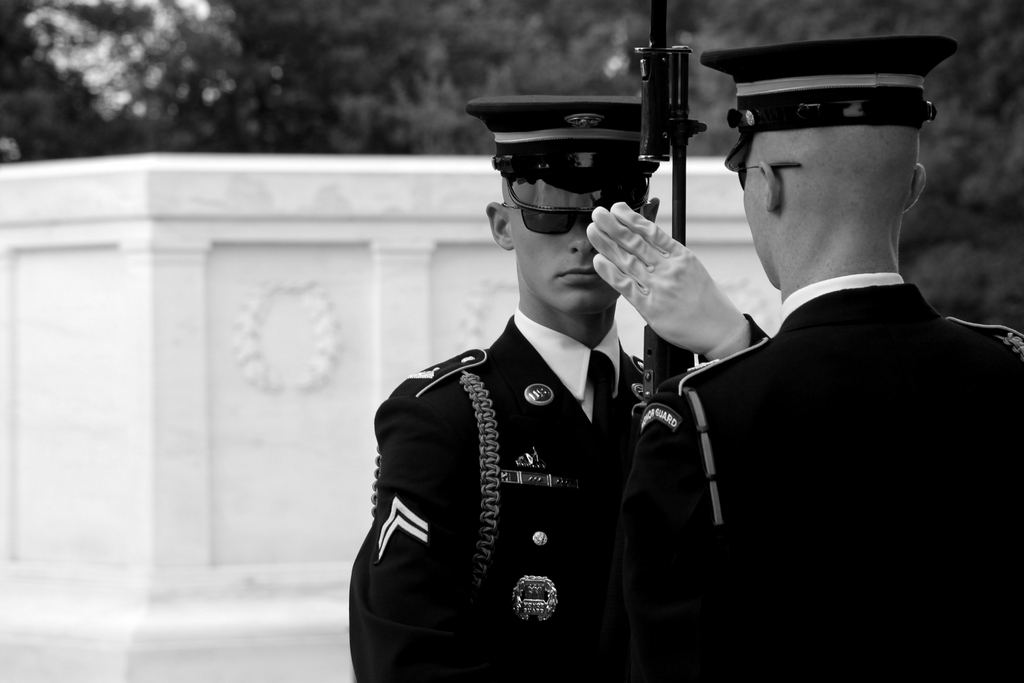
[661, 413]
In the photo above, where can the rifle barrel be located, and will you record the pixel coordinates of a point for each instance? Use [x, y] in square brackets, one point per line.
[659, 13]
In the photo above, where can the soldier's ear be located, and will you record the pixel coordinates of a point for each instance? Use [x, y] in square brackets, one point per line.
[916, 187]
[500, 219]
[771, 190]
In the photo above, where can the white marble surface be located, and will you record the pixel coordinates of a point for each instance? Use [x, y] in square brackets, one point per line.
[192, 348]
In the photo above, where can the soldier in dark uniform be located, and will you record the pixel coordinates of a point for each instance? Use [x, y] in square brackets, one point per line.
[838, 502]
[490, 557]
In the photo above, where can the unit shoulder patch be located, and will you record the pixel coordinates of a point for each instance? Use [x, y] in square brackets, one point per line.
[420, 382]
[659, 412]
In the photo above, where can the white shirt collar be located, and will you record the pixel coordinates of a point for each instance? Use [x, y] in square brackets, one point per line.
[568, 358]
[835, 284]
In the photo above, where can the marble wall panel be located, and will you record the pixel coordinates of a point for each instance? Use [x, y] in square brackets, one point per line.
[290, 410]
[738, 271]
[76, 485]
[473, 294]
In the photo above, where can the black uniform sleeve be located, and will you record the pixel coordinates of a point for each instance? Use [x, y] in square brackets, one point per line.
[410, 598]
[669, 552]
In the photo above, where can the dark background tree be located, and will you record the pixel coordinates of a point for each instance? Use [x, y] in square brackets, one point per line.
[393, 76]
[45, 112]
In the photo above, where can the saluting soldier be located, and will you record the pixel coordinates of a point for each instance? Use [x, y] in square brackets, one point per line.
[490, 557]
[838, 502]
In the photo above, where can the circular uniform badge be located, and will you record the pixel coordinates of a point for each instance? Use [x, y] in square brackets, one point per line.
[539, 394]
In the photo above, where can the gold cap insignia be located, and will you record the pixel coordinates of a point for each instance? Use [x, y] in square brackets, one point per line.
[584, 120]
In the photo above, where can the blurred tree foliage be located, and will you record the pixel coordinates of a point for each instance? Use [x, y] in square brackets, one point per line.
[46, 111]
[88, 77]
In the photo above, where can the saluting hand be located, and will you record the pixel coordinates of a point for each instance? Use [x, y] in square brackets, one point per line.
[665, 283]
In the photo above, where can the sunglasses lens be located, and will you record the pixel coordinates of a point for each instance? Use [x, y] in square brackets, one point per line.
[548, 222]
[742, 173]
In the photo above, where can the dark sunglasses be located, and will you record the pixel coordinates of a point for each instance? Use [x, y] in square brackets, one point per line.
[548, 222]
[742, 170]
[553, 209]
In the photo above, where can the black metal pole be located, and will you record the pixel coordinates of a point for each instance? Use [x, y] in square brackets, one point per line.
[659, 21]
[665, 131]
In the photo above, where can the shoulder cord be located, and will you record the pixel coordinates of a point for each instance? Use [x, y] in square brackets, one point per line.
[490, 474]
[1015, 343]
[373, 486]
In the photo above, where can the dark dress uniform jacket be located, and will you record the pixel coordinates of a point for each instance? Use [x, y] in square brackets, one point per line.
[413, 616]
[866, 461]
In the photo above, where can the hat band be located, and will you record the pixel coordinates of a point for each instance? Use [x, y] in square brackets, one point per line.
[533, 165]
[777, 85]
[832, 114]
[567, 134]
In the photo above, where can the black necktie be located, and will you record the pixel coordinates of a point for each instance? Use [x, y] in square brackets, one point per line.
[602, 375]
[614, 627]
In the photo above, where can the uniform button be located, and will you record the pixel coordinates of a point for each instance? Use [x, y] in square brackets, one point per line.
[540, 538]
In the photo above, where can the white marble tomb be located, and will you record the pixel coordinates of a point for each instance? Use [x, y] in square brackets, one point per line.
[192, 348]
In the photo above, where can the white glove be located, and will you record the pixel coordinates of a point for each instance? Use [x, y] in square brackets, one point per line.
[665, 283]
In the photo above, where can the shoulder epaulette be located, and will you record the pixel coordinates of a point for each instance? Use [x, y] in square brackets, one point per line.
[1009, 336]
[423, 381]
[717, 363]
[701, 424]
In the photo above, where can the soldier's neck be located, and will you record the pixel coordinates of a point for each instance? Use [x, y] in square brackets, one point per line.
[588, 329]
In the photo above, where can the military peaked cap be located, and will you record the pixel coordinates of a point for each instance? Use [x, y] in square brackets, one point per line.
[851, 81]
[549, 133]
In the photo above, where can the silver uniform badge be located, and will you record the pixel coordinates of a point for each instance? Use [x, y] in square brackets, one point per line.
[534, 596]
[531, 460]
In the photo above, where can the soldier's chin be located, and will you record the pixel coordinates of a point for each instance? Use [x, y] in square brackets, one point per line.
[595, 302]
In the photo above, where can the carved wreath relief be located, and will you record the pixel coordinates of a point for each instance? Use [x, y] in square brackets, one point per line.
[248, 337]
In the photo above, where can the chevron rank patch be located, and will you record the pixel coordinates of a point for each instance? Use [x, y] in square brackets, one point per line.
[403, 519]
[661, 413]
